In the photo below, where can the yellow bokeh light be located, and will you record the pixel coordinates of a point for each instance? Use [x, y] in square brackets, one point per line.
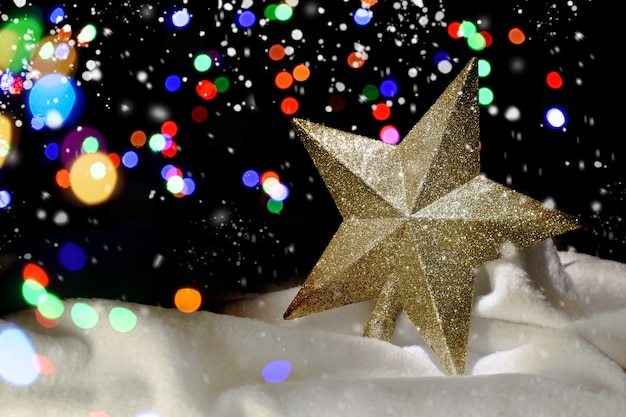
[93, 178]
[47, 58]
[5, 138]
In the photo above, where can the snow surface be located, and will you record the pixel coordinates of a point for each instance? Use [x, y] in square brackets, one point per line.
[547, 339]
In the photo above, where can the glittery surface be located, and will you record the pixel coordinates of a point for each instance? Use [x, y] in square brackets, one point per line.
[418, 219]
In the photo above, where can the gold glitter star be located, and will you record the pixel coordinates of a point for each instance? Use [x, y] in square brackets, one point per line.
[418, 219]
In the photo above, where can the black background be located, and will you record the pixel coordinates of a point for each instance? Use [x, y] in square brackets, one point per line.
[221, 239]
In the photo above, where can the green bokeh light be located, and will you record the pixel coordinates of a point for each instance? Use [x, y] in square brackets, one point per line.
[468, 29]
[274, 206]
[84, 316]
[122, 319]
[477, 42]
[50, 306]
[485, 96]
[370, 92]
[222, 84]
[90, 145]
[202, 62]
[484, 68]
[33, 291]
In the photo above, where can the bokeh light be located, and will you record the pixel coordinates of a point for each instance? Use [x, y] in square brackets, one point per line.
[556, 117]
[16, 353]
[362, 16]
[84, 316]
[516, 36]
[250, 178]
[389, 134]
[188, 300]
[276, 371]
[246, 19]
[5, 199]
[485, 96]
[122, 319]
[181, 18]
[93, 178]
[173, 83]
[202, 62]
[5, 138]
[388, 88]
[52, 99]
[36, 273]
[553, 79]
[50, 306]
[72, 256]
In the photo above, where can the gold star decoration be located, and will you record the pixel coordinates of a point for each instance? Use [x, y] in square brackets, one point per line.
[418, 218]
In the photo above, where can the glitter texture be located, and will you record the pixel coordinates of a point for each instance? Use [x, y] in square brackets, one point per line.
[418, 219]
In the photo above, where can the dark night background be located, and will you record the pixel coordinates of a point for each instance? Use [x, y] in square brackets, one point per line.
[145, 243]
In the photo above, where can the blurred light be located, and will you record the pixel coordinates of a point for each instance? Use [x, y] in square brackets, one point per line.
[52, 98]
[389, 134]
[122, 319]
[283, 12]
[356, 59]
[93, 178]
[516, 36]
[16, 353]
[301, 72]
[181, 18]
[169, 128]
[72, 256]
[202, 62]
[441, 56]
[276, 52]
[381, 111]
[250, 178]
[289, 105]
[477, 42]
[388, 88]
[246, 19]
[553, 79]
[485, 96]
[555, 117]
[173, 83]
[276, 371]
[199, 114]
[138, 138]
[484, 68]
[84, 316]
[43, 364]
[81, 140]
[5, 138]
[370, 92]
[5, 199]
[130, 159]
[187, 300]
[33, 291]
[57, 15]
[50, 306]
[36, 273]
[283, 80]
[51, 151]
[86, 34]
[157, 142]
[222, 84]
[19, 37]
[206, 89]
[362, 16]
[454, 30]
[274, 206]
